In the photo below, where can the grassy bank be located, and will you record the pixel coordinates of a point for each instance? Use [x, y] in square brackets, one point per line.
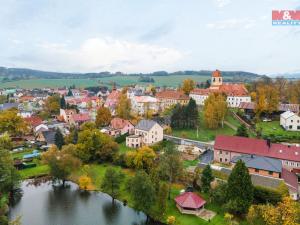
[204, 133]
[276, 133]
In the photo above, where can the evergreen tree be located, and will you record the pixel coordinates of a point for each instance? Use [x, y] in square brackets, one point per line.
[240, 189]
[62, 102]
[206, 178]
[59, 139]
[192, 115]
[70, 92]
[242, 131]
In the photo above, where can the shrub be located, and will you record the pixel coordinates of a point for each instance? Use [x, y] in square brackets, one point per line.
[264, 195]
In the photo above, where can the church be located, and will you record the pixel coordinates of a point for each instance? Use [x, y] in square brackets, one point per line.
[235, 93]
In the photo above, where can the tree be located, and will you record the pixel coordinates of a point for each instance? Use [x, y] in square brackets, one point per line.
[61, 163]
[242, 131]
[112, 182]
[144, 158]
[62, 102]
[94, 145]
[170, 165]
[215, 109]
[188, 85]
[103, 117]
[59, 139]
[142, 192]
[70, 93]
[11, 123]
[162, 196]
[240, 189]
[124, 107]
[287, 212]
[9, 176]
[206, 178]
[52, 105]
[85, 182]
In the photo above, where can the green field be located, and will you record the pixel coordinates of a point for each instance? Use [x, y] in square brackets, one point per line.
[173, 81]
[276, 133]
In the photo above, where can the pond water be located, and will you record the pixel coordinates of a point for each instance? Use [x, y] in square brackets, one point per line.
[54, 205]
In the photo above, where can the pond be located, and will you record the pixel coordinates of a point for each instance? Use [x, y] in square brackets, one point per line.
[47, 204]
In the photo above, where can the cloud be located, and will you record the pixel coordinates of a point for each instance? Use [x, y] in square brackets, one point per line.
[100, 54]
[222, 3]
[232, 24]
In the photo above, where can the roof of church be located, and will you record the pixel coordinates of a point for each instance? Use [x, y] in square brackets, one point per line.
[216, 73]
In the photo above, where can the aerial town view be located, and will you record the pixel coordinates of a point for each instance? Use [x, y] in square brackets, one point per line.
[161, 112]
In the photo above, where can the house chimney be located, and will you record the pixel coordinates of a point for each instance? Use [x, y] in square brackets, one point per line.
[269, 142]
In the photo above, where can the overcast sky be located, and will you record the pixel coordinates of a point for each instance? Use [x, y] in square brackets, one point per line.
[148, 35]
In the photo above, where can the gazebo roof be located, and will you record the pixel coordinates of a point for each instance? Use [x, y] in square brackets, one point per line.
[189, 200]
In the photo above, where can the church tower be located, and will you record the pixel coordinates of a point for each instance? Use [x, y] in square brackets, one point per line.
[216, 79]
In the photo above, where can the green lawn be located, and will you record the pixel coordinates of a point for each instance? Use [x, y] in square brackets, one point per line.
[274, 131]
[205, 134]
[123, 148]
[187, 163]
[37, 171]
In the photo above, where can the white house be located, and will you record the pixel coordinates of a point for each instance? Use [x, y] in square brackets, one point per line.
[144, 103]
[147, 132]
[290, 121]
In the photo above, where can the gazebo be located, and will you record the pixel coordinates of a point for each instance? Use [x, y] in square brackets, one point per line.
[189, 203]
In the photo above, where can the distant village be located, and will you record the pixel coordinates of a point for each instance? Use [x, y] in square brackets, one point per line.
[146, 116]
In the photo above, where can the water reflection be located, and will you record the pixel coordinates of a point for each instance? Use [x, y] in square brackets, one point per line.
[49, 204]
[111, 211]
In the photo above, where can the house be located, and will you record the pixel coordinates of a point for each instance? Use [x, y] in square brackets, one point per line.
[112, 100]
[235, 93]
[40, 128]
[168, 98]
[147, 132]
[66, 114]
[268, 163]
[103, 92]
[143, 104]
[290, 121]
[120, 126]
[227, 147]
[260, 165]
[248, 108]
[47, 136]
[190, 203]
[80, 118]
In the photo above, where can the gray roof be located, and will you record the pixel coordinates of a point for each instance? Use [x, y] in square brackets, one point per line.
[8, 106]
[260, 162]
[49, 136]
[145, 125]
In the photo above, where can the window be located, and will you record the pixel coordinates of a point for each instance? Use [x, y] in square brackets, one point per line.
[298, 127]
[220, 159]
[292, 121]
[256, 170]
[290, 126]
[270, 172]
[220, 152]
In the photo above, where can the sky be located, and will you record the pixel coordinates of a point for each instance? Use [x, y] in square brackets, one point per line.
[148, 35]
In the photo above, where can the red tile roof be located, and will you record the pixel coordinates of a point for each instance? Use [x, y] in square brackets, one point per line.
[34, 121]
[216, 73]
[290, 178]
[118, 123]
[81, 117]
[259, 147]
[190, 200]
[228, 89]
[172, 94]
